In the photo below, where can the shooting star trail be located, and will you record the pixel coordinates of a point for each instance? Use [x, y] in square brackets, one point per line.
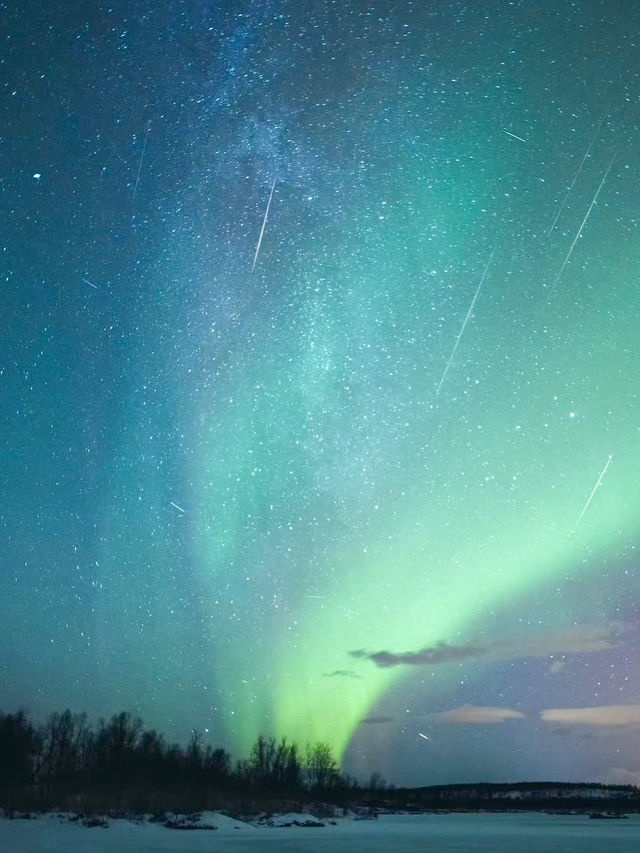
[264, 225]
[144, 148]
[576, 176]
[519, 138]
[593, 491]
[179, 508]
[90, 283]
[586, 216]
[466, 320]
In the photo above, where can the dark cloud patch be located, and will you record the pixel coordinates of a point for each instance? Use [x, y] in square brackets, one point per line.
[377, 720]
[574, 639]
[359, 653]
[342, 673]
[441, 653]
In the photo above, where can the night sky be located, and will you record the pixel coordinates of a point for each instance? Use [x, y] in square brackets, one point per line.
[320, 374]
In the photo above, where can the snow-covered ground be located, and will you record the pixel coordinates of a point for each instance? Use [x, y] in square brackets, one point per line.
[526, 833]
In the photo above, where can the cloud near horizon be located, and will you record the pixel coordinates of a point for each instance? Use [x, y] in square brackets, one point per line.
[475, 715]
[575, 639]
[622, 776]
[605, 715]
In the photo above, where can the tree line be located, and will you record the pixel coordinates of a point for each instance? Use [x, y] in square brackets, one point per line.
[118, 764]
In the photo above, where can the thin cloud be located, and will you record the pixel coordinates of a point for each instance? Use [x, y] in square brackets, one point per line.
[576, 732]
[475, 715]
[622, 776]
[573, 640]
[576, 639]
[605, 715]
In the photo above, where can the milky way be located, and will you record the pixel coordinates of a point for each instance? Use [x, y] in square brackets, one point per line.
[320, 377]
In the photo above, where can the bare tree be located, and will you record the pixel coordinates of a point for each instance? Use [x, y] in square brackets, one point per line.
[116, 744]
[18, 751]
[66, 745]
[321, 769]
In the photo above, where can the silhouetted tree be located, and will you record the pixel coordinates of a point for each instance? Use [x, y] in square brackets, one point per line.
[151, 758]
[66, 763]
[321, 769]
[18, 753]
[287, 769]
[261, 760]
[194, 754]
[217, 763]
[376, 782]
[115, 749]
[66, 746]
[274, 765]
[150, 746]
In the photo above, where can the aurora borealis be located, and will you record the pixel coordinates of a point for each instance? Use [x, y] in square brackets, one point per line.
[357, 470]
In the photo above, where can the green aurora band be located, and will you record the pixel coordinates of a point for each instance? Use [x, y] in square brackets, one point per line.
[376, 514]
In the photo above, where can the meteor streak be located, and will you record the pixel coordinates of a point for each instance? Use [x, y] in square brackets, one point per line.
[264, 223]
[144, 148]
[466, 320]
[593, 491]
[576, 176]
[519, 138]
[584, 221]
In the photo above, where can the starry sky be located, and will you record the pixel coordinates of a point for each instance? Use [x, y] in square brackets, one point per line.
[319, 377]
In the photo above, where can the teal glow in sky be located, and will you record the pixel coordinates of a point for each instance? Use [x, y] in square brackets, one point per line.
[320, 378]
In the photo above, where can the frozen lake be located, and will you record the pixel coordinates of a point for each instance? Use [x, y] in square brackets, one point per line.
[442, 833]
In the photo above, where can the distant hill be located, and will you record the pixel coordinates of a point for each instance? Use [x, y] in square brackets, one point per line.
[533, 791]
[515, 795]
